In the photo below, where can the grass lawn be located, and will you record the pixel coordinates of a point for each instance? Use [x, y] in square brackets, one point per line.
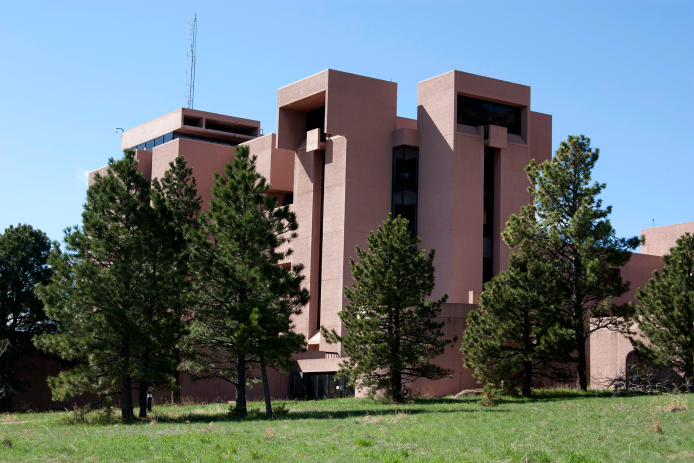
[558, 426]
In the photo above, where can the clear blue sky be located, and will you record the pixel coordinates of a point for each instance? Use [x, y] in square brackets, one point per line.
[618, 72]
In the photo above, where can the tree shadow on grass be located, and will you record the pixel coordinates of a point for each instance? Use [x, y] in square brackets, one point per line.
[303, 410]
[420, 406]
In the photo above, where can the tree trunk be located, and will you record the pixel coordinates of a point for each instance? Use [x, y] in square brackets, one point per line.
[142, 395]
[7, 397]
[582, 364]
[126, 400]
[689, 376]
[396, 366]
[241, 409]
[176, 394]
[266, 390]
[396, 385]
[527, 379]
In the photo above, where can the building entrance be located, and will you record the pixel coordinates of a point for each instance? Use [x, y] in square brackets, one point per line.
[318, 386]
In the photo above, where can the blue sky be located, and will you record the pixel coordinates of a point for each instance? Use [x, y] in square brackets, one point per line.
[618, 72]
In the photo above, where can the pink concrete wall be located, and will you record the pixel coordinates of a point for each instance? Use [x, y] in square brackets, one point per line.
[405, 123]
[451, 212]
[468, 216]
[638, 271]
[152, 129]
[607, 356]
[360, 118]
[510, 194]
[175, 121]
[540, 137]
[364, 112]
[102, 171]
[38, 396]
[455, 318]
[334, 237]
[608, 350]
[307, 178]
[144, 165]
[276, 165]
[498, 91]
[436, 127]
[405, 136]
[659, 240]
[204, 158]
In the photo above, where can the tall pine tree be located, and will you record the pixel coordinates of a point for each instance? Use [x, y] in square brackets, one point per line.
[117, 292]
[569, 222]
[391, 335]
[666, 314]
[177, 190]
[517, 330]
[246, 299]
[24, 255]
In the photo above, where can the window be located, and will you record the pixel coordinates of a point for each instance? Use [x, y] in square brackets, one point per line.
[488, 223]
[316, 120]
[174, 135]
[193, 121]
[477, 112]
[405, 168]
[405, 165]
[289, 199]
[217, 141]
[318, 386]
[405, 205]
[222, 127]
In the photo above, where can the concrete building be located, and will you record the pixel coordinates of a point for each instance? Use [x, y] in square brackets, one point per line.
[344, 159]
[609, 352]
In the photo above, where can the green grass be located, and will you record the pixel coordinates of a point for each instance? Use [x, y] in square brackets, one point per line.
[558, 426]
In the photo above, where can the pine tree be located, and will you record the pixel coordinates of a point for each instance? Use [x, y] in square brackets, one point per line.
[246, 299]
[178, 192]
[666, 314]
[391, 335]
[516, 329]
[276, 339]
[117, 292]
[568, 221]
[24, 254]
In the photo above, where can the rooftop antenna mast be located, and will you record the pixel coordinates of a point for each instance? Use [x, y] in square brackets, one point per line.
[190, 59]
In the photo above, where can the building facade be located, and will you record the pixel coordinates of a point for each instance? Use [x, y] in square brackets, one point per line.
[343, 159]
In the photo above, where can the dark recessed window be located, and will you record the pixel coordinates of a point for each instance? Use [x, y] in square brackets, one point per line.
[213, 125]
[477, 112]
[405, 166]
[187, 136]
[289, 199]
[405, 205]
[192, 121]
[316, 120]
[174, 135]
[488, 221]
